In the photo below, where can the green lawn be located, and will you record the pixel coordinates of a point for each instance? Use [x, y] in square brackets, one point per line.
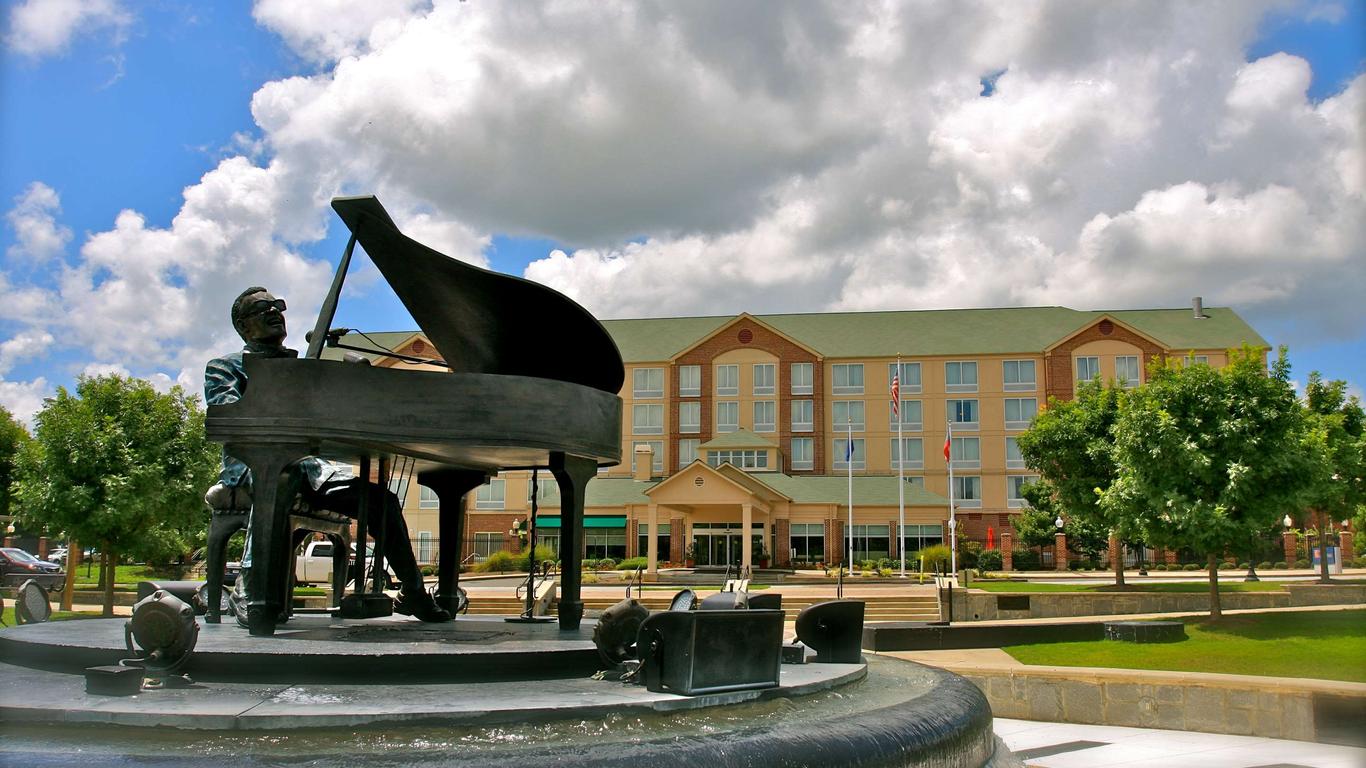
[1327, 645]
[56, 615]
[124, 575]
[1177, 586]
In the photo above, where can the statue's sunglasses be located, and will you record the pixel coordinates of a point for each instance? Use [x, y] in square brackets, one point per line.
[262, 307]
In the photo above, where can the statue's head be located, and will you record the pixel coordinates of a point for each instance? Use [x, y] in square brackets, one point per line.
[259, 317]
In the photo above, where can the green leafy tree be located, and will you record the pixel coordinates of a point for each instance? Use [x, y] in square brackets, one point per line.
[1208, 457]
[119, 465]
[12, 439]
[1070, 445]
[1338, 491]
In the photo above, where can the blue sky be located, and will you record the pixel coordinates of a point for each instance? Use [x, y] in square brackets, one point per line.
[138, 109]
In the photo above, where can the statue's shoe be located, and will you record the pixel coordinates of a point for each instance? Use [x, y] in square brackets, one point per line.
[421, 606]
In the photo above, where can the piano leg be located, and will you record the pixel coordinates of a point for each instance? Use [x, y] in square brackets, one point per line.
[273, 492]
[572, 473]
[450, 486]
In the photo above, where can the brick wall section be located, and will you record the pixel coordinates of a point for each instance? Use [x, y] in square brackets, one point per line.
[834, 541]
[727, 339]
[633, 538]
[496, 522]
[1058, 375]
[782, 543]
[678, 540]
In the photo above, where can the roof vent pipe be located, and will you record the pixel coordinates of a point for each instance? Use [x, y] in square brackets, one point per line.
[1197, 304]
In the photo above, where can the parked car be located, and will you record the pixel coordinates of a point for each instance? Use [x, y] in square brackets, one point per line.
[57, 556]
[18, 566]
[313, 565]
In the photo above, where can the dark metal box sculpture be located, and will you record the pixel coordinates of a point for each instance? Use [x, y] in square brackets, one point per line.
[700, 652]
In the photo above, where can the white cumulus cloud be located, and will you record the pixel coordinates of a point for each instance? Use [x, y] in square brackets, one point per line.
[40, 28]
[33, 218]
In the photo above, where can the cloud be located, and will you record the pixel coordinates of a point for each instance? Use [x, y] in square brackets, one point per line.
[327, 30]
[23, 399]
[28, 344]
[44, 27]
[37, 234]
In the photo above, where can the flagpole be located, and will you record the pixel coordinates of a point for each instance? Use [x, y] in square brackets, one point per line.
[849, 462]
[900, 468]
[953, 522]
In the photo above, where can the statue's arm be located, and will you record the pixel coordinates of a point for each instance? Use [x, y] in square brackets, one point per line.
[224, 382]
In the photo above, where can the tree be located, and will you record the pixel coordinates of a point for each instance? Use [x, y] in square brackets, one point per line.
[12, 439]
[1341, 488]
[1070, 446]
[1208, 457]
[119, 465]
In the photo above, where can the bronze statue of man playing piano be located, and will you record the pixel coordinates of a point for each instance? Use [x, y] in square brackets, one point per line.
[259, 318]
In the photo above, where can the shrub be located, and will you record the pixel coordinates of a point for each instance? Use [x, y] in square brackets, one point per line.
[1264, 565]
[934, 556]
[499, 561]
[1224, 566]
[1301, 563]
[990, 560]
[632, 563]
[428, 570]
[1160, 567]
[1244, 565]
[589, 563]
[1025, 559]
[968, 554]
[1190, 567]
[606, 564]
[1280, 565]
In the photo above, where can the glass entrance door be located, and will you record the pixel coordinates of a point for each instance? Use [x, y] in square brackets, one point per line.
[717, 547]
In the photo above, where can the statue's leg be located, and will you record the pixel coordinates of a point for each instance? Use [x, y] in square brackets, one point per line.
[273, 492]
[572, 473]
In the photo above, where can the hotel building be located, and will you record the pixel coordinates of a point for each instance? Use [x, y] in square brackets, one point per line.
[755, 424]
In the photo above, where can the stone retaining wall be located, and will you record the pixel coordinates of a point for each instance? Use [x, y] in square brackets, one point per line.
[972, 605]
[1278, 708]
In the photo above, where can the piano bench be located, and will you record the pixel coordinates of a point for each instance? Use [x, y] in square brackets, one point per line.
[224, 521]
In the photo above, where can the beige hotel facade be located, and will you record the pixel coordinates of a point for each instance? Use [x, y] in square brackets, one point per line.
[741, 423]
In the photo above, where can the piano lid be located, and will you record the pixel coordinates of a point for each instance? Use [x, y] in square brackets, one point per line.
[482, 321]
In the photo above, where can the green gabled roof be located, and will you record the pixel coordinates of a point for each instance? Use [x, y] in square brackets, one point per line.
[880, 490]
[740, 438]
[937, 332]
[608, 492]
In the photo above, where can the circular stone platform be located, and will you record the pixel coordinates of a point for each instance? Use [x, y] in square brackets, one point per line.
[883, 713]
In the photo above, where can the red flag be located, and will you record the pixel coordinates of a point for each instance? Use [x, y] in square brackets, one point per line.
[896, 394]
[946, 445]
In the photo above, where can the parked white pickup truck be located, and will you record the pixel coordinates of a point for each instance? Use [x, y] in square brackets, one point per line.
[313, 564]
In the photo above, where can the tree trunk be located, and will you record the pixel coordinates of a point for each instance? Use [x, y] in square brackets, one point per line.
[1119, 565]
[1324, 523]
[73, 561]
[1214, 611]
[107, 578]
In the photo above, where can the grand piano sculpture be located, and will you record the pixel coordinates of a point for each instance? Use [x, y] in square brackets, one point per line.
[533, 384]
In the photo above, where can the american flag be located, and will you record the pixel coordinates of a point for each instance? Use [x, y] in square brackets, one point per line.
[896, 393]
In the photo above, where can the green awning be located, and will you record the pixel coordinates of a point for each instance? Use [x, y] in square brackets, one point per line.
[594, 521]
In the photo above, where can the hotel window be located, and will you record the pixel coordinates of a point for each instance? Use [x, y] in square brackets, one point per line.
[763, 378]
[656, 461]
[1126, 370]
[647, 419]
[915, 452]
[912, 416]
[486, 543]
[689, 380]
[727, 416]
[1014, 498]
[967, 491]
[742, 459]
[960, 377]
[399, 487]
[857, 461]
[800, 455]
[1020, 411]
[1018, 376]
[917, 481]
[802, 416]
[687, 451]
[643, 540]
[1014, 459]
[546, 490]
[910, 377]
[962, 413]
[1087, 368]
[647, 382]
[848, 415]
[1200, 359]
[765, 419]
[489, 495]
[871, 542]
[426, 549]
[427, 498]
[727, 379]
[966, 453]
[802, 378]
[848, 378]
[689, 418]
[917, 538]
[807, 542]
[599, 543]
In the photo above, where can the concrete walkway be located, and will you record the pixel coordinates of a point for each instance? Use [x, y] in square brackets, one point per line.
[1063, 745]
